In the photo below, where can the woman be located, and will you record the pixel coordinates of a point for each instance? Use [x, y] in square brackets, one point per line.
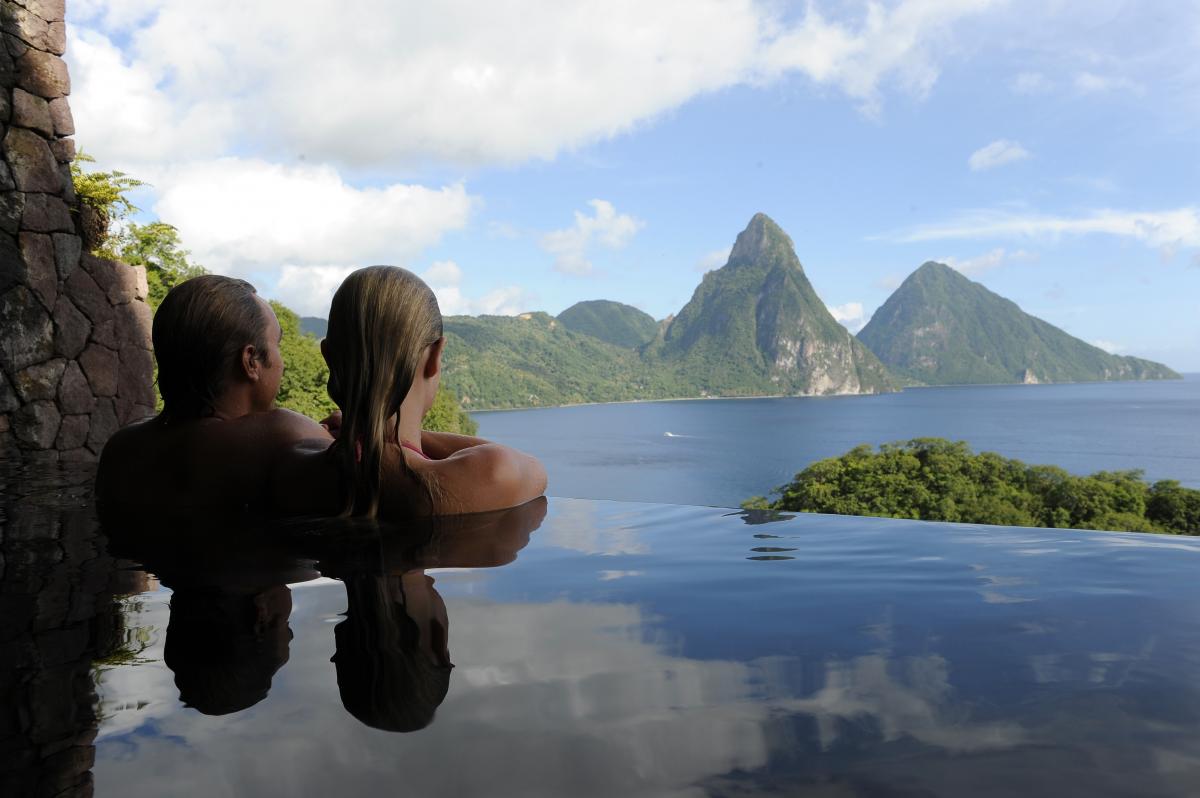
[384, 350]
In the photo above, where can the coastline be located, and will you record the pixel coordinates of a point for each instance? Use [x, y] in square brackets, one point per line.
[1183, 376]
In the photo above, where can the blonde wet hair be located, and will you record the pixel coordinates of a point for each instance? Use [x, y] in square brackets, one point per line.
[382, 320]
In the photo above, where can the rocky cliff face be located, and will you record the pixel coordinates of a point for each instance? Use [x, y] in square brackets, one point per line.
[75, 361]
[757, 326]
[940, 328]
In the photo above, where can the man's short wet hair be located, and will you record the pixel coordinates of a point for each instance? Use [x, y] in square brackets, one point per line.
[199, 332]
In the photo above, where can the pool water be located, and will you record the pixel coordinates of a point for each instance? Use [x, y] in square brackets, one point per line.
[578, 647]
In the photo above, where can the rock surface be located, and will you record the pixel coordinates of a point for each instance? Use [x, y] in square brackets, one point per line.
[75, 351]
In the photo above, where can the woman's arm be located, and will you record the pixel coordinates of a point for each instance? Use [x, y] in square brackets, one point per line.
[440, 445]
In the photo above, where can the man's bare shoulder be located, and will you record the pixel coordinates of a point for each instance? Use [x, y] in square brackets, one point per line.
[287, 426]
[130, 437]
[201, 440]
[123, 452]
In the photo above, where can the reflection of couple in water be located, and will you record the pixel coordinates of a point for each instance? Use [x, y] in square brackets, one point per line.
[228, 632]
[220, 442]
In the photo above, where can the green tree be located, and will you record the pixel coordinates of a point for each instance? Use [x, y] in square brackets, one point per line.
[106, 193]
[157, 247]
[305, 374]
[447, 415]
[938, 480]
[1174, 506]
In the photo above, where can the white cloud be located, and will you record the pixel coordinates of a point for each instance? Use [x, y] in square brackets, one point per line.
[1031, 83]
[446, 277]
[997, 153]
[465, 81]
[850, 315]
[604, 227]
[506, 301]
[239, 216]
[713, 260]
[987, 261]
[443, 272]
[898, 42]
[109, 15]
[1108, 346]
[1171, 228]
[125, 118]
[308, 290]
[609, 576]
[1091, 83]
[976, 265]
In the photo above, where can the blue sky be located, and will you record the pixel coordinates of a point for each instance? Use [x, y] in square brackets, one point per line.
[528, 155]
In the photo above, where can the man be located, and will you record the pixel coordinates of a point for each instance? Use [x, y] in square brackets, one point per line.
[217, 440]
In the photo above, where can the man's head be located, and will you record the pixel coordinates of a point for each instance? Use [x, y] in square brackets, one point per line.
[214, 336]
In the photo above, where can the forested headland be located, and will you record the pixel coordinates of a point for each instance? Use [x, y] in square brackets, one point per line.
[933, 479]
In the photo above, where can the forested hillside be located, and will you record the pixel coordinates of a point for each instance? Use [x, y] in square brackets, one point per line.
[940, 328]
[533, 360]
[612, 322]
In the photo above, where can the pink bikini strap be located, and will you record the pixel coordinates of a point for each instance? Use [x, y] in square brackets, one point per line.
[412, 448]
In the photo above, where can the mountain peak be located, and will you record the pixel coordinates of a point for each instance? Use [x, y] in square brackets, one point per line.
[757, 325]
[933, 269]
[942, 328]
[759, 238]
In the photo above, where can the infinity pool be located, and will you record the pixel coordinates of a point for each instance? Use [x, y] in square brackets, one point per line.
[589, 648]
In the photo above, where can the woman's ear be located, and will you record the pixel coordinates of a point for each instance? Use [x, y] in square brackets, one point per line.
[433, 364]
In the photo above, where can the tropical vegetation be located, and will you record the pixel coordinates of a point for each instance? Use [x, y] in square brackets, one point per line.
[933, 479]
[614, 322]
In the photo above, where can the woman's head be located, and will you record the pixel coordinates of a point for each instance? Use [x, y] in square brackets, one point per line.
[384, 336]
[208, 331]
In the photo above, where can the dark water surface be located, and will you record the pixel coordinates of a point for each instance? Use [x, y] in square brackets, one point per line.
[598, 649]
[721, 451]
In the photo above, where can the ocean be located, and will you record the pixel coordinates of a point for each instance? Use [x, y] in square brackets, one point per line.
[718, 452]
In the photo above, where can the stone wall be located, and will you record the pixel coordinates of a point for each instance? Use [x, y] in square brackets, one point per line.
[75, 353]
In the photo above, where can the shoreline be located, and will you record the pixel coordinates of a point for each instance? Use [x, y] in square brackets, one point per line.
[1184, 376]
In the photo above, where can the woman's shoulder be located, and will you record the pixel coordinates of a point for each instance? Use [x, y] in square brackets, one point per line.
[485, 477]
